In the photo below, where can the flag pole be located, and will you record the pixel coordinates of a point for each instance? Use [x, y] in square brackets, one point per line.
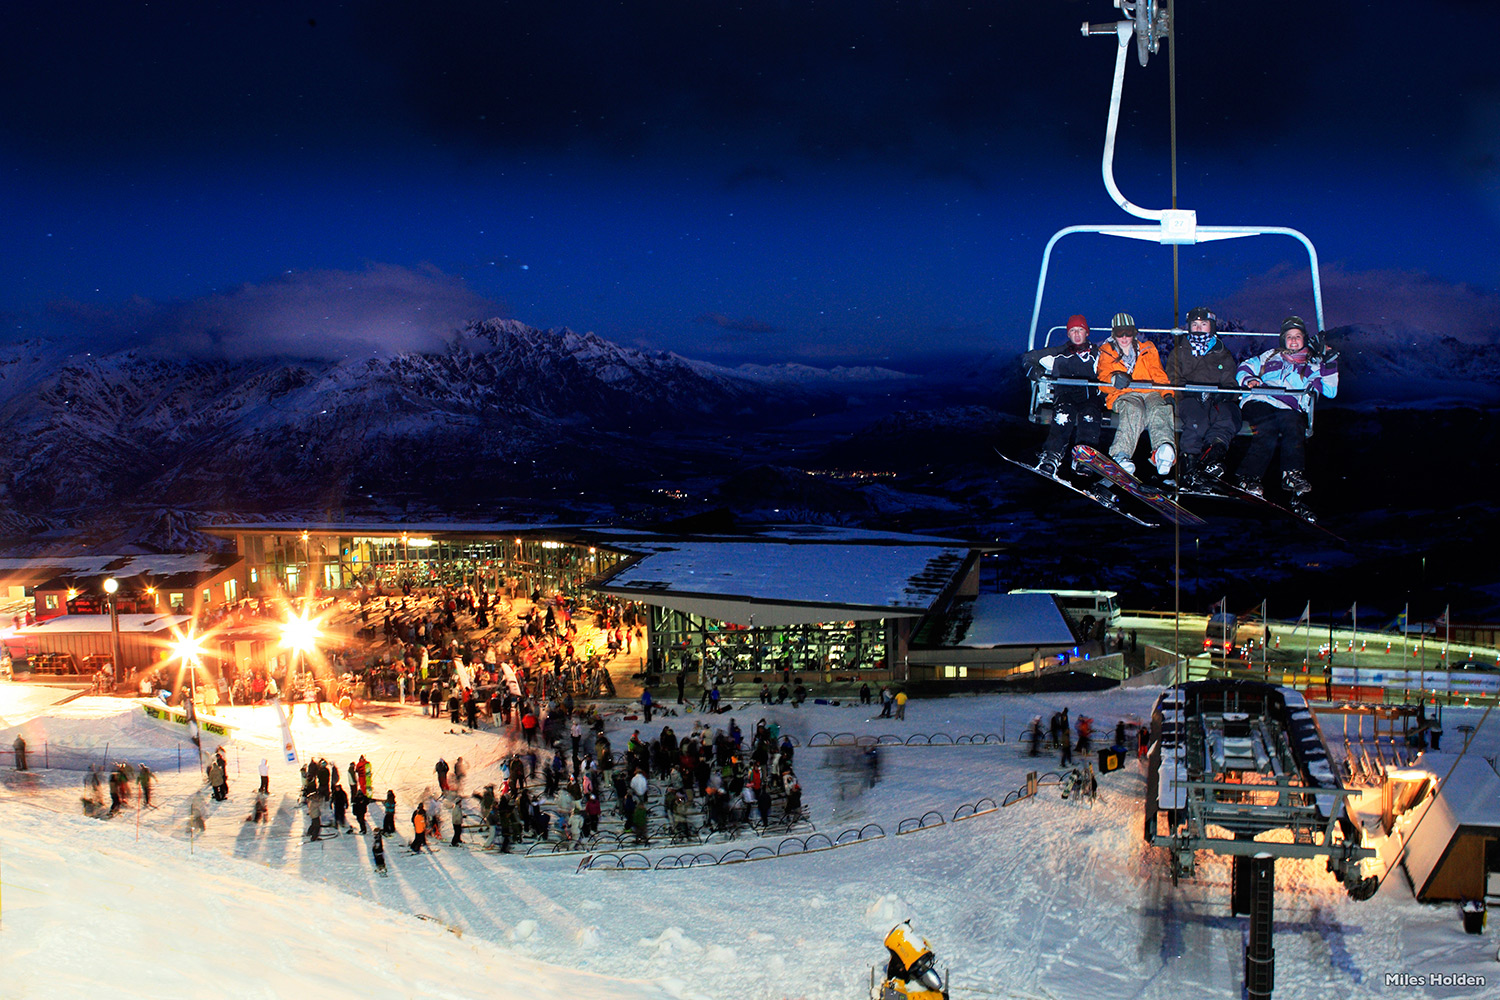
[1405, 631]
[1307, 636]
[1328, 667]
[1265, 632]
[1447, 631]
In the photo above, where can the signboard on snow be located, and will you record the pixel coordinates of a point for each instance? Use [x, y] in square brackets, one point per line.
[165, 714]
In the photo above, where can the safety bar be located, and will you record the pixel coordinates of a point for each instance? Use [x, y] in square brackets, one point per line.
[1262, 390]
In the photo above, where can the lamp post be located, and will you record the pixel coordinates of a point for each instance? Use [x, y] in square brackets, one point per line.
[111, 586]
[301, 635]
[189, 651]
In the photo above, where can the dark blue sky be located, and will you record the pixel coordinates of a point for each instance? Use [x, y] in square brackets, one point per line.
[773, 181]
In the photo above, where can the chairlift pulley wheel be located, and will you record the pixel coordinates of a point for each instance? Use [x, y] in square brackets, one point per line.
[1150, 17]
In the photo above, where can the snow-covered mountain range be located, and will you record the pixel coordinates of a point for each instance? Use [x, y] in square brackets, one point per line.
[505, 409]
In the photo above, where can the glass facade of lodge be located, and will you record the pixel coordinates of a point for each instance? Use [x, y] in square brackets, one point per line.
[679, 640]
[343, 562]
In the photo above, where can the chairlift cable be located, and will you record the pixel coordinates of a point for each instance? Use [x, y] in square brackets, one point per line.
[1176, 525]
[1172, 117]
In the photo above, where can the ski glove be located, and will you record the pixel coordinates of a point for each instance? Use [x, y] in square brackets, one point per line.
[1120, 380]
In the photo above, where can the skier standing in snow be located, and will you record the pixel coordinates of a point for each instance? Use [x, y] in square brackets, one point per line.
[1085, 733]
[1124, 360]
[340, 800]
[145, 778]
[1065, 737]
[361, 804]
[388, 821]
[1287, 377]
[1209, 419]
[1077, 411]
[377, 853]
[419, 824]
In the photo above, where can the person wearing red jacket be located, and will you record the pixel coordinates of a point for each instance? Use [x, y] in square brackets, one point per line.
[1125, 360]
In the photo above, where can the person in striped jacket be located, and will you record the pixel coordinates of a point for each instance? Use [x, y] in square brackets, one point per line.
[1284, 379]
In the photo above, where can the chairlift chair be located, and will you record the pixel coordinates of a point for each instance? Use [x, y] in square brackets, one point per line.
[1148, 22]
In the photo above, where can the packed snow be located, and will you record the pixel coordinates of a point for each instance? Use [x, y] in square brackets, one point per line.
[1044, 898]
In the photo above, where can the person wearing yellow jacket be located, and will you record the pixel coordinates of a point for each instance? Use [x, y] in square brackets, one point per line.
[1125, 361]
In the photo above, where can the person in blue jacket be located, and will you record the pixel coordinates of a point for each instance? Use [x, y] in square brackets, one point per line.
[1284, 379]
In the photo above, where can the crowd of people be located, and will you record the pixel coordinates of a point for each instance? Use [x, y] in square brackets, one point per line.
[710, 780]
[1202, 387]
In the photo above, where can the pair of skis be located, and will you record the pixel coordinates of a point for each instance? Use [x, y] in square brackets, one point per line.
[1223, 490]
[1086, 457]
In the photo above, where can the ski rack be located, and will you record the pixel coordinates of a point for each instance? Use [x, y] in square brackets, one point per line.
[1170, 226]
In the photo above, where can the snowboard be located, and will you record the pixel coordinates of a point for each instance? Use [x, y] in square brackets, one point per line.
[1158, 501]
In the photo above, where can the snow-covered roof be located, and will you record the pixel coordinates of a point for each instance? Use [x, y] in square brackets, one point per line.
[1016, 620]
[802, 579]
[100, 623]
[1470, 797]
[118, 566]
[601, 532]
[392, 527]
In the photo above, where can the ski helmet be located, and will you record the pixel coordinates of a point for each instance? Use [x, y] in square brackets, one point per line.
[1205, 314]
[1293, 323]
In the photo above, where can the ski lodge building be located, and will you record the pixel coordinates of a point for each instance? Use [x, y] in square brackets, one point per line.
[150, 585]
[828, 604]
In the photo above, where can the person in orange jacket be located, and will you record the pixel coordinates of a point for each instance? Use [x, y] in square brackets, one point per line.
[1126, 359]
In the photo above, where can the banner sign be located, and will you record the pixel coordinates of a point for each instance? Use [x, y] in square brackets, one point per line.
[165, 714]
[1465, 681]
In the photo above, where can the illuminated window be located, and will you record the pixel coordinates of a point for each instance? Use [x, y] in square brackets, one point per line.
[177, 601]
[254, 575]
[951, 672]
[49, 601]
[231, 589]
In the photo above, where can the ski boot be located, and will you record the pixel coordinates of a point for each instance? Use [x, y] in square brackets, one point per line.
[1164, 457]
[1190, 475]
[1213, 462]
[1251, 486]
[1126, 464]
[1048, 462]
[1295, 482]
[1299, 506]
[1102, 490]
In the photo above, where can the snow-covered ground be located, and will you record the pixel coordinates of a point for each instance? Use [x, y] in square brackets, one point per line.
[1046, 898]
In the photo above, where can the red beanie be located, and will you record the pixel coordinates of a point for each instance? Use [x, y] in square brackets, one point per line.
[1077, 320]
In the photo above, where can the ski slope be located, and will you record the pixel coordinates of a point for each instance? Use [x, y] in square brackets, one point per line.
[1044, 899]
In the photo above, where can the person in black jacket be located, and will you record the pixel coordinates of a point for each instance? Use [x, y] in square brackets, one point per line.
[1077, 411]
[1209, 419]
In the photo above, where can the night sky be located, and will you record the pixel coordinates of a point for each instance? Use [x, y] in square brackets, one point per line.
[775, 181]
